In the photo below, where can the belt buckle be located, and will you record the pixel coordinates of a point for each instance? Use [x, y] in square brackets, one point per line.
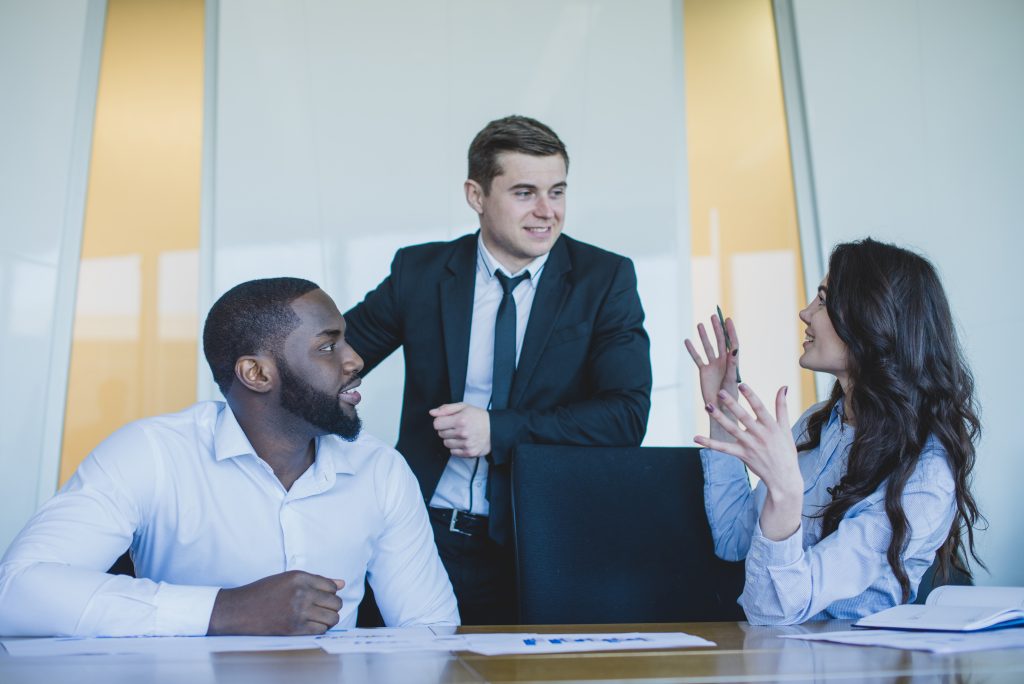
[452, 525]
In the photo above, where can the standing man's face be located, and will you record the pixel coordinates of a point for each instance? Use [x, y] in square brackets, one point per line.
[522, 215]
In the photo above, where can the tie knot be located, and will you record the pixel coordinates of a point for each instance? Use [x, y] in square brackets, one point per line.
[509, 284]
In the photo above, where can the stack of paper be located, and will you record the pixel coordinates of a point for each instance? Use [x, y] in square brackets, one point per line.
[952, 620]
[935, 642]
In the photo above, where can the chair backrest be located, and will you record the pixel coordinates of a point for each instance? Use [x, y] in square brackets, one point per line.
[930, 580]
[123, 565]
[607, 534]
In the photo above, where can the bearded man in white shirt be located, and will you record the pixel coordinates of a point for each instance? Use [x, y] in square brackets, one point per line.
[261, 515]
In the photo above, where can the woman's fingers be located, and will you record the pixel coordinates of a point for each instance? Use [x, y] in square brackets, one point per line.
[781, 410]
[760, 410]
[708, 349]
[731, 448]
[719, 348]
[733, 337]
[730, 426]
[716, 325]
[732, 361]
[693, 353]
[741, 414]
[763, 442]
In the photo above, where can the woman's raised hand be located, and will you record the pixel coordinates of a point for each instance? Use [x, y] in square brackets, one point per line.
[765, 444]
[718, 373]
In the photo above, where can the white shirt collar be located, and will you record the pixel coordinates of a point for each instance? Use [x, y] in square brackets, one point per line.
[230, 441]
[487, 262]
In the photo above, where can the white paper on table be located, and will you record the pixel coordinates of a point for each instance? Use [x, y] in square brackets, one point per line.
[177, 646]
[387, 640]
[509, 644]
[377, 640]
[935, 642]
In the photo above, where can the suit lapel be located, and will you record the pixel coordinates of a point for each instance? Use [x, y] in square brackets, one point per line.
[552, 292]
[456, 293]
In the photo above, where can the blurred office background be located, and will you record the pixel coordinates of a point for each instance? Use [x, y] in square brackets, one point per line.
[153, 153]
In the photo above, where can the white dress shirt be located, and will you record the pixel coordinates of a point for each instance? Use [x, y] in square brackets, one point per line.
[464, 475]
[202, 511]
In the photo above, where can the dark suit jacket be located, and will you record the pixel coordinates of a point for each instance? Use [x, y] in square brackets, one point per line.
[584, 372]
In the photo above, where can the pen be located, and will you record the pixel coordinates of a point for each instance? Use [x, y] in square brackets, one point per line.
[728, 342]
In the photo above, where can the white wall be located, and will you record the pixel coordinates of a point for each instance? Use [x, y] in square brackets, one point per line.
[49, 59]
[914, 114]
[340, 134]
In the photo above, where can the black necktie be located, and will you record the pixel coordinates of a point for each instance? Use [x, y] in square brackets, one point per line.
[505, 342]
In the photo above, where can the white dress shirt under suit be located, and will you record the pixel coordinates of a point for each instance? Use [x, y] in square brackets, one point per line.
[201, 511]
[845, 575]
[463, 475]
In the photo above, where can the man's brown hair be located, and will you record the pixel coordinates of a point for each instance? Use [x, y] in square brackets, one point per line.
[511, 134]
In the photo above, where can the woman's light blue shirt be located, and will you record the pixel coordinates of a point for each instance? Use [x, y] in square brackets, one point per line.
[845, 575]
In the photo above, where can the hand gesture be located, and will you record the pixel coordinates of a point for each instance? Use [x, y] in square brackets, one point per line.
[290, 603]
[719, 372]
[464, 428]
[765, 444]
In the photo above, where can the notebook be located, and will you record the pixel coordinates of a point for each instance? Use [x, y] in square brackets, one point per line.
[955, 609]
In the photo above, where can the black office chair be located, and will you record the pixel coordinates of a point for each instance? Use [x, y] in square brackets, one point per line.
[616, 535]
[930, 581]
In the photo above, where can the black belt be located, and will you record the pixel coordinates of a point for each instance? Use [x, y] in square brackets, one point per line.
[460, 522]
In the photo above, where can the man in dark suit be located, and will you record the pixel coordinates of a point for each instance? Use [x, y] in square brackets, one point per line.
[516, 334]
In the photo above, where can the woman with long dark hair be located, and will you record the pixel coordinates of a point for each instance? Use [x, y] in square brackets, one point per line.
[869, 487]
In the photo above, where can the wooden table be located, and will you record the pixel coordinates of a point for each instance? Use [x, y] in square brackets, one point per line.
[743, 654]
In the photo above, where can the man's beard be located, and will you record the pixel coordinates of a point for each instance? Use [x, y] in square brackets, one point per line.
[317, 408]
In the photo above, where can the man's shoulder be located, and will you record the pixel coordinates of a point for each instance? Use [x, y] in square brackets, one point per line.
[142, 448]
[584, 253]
[439, 249]
[196, 419]
[441, 245]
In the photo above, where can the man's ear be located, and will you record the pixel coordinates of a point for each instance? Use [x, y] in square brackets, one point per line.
[257, 373]
[474, 196]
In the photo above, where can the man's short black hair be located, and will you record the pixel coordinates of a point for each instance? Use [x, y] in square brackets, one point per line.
[512, 134]
[250, 318]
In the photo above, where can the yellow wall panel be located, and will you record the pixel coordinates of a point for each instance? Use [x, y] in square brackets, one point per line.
[741, 183]
[134, 348]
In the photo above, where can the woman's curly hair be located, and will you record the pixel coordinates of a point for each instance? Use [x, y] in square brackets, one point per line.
[909, 381]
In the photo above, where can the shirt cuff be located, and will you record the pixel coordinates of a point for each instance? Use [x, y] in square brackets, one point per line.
[766, 553]
[719, 467]
[184, 610]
